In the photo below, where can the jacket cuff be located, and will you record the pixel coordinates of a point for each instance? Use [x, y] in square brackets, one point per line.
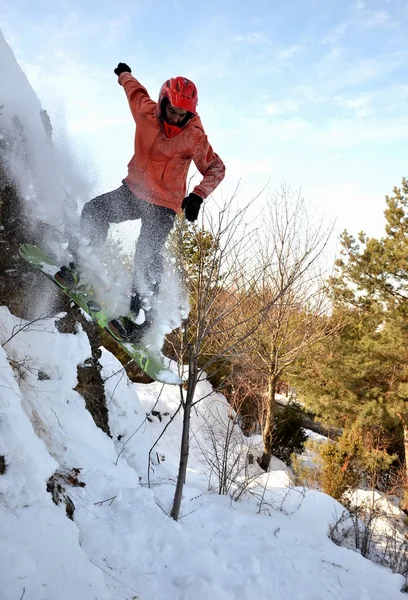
[122, 77]
[198, 192]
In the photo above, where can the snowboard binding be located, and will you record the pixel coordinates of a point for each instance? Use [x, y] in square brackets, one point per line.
[68, 276]
[132, 327]
[126, 330]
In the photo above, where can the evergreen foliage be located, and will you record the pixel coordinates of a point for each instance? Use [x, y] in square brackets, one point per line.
[357, 378]
[289, 435]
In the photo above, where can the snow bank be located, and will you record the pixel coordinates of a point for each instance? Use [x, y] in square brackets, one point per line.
[122, 544]
[41, 556]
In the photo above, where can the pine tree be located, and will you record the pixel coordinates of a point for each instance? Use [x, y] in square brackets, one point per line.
[359, 378]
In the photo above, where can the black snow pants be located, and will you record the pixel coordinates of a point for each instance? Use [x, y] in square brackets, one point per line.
[156, 222]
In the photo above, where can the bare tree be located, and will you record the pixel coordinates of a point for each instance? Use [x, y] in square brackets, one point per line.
[255, 299]
[223, 279]
[290, 296]
[224, 451]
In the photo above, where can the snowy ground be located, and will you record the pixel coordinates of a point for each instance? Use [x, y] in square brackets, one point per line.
[122, 545]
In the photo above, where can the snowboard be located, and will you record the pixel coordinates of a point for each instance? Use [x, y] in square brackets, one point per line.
[151, 363]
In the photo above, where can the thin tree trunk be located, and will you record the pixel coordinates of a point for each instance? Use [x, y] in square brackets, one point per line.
[267, 433]
[405, 498]
[185, 439]
[404, 502]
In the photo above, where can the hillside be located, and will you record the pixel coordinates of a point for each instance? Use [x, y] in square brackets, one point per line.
[121, 543]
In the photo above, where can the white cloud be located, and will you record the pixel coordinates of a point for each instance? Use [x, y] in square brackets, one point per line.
[377, 19]
[337, 71]
[336, 34]
[288, 52]
[256, 38]
[360, 105]
[311, 94]
[290, 129]
[354, 132]
[275, 108]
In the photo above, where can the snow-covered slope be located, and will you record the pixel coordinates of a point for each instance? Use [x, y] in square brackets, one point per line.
[272, 543]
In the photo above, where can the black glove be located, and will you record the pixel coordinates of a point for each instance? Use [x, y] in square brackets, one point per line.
[191, 206]
[122, 68]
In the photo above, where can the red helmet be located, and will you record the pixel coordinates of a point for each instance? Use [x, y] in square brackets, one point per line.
[181, 92]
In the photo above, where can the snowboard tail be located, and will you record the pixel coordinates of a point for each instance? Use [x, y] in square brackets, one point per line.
[151, 363]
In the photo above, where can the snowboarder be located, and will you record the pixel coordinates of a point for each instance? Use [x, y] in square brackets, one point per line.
[169, 135]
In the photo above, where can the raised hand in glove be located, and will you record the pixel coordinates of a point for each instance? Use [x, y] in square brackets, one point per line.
[191, 206]
[122, 68]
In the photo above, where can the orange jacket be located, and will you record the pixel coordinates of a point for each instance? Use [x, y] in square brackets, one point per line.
[158, 169]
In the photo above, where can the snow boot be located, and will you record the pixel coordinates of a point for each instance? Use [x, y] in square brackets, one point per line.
[68, 276]
[132, 327]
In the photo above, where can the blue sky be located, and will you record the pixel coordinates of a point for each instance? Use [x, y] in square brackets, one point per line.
[309, 92]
